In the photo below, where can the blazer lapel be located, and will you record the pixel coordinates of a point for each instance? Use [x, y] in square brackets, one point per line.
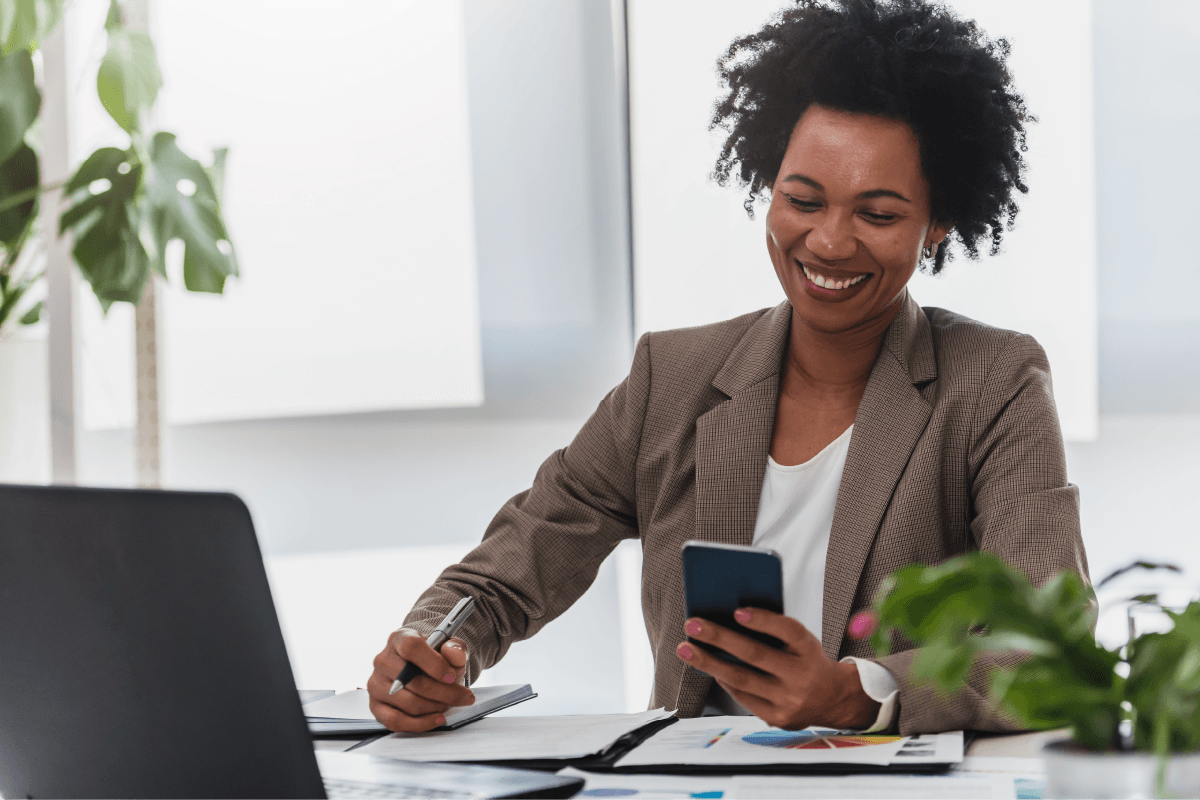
[891, 418]
[733, 439]
[732, 442]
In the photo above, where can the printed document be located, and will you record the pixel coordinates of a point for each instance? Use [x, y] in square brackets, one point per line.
[658, 787]
[869, 787]
[745, 741]
[799, 787]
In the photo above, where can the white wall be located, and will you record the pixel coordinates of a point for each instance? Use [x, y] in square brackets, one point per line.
[1147, 115]
[349, 197]
[699, 259]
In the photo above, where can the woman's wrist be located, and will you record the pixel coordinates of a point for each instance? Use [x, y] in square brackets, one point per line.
[855, 709]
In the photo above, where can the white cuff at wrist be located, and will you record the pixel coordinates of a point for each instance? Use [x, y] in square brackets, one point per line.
[880, 685]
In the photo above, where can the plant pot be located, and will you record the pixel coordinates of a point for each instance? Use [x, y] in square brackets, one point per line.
[24, 409]
[1072, 771]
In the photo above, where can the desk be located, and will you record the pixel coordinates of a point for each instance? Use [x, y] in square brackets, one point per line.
[1014, 745]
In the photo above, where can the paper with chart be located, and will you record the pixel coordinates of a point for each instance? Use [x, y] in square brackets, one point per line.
[745, 741]
[651, 787]
[872, 787]
[514, 738]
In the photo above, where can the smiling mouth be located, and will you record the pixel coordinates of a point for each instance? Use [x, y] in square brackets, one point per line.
[831, 283]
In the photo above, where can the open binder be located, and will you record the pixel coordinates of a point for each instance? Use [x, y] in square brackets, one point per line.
[654, 742]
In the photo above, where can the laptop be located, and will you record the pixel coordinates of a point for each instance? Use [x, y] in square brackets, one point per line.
[140, 656]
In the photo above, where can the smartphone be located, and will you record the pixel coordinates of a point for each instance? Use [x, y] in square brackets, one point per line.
[718, 579]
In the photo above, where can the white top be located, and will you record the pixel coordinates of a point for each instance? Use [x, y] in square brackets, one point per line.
[795, 515]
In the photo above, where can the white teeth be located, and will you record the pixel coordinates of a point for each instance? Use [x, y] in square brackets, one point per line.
[829, 283]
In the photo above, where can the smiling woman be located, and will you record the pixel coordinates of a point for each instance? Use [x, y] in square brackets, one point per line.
[848, 428]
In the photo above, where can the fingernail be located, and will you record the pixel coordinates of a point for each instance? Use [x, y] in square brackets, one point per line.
[454, 645]
[441, 720]
[449, 677]
[686, 651]
[693, 628]
[741, 615]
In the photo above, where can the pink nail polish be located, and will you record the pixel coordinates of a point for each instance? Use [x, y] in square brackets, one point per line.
[693, 628]
[448, 677]
[741, 615]
[441, 720]
[686, 651]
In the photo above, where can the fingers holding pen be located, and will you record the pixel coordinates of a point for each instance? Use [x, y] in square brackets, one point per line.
[412, 648]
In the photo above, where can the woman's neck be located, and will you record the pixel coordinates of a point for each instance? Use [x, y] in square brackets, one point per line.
[833, 363]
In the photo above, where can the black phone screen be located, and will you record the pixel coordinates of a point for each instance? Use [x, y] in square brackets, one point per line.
[719, 579]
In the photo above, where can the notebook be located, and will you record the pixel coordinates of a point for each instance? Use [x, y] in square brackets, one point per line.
[350, 712]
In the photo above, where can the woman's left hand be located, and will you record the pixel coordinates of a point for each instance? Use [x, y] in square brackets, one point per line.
[802, 687]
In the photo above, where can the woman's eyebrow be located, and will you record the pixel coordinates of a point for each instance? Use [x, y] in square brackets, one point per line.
[867, 195]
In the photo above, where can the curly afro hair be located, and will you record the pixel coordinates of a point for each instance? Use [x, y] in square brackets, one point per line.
[908, 60]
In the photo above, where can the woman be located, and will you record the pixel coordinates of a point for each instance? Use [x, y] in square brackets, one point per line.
[848, 428]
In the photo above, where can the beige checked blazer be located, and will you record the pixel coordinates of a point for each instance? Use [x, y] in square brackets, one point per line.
[956, 446]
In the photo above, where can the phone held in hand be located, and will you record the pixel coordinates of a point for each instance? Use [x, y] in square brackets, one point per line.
[718, 579]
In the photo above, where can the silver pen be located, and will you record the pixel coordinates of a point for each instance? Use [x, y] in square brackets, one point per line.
[457, 616]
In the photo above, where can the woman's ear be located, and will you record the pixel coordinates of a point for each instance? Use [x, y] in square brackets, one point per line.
[937, 234]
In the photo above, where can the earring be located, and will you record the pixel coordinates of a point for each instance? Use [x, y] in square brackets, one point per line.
[927, 252]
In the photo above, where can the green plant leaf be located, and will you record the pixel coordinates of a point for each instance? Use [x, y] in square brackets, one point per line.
[129, 79]
[184, 205]
[106, 221]
[11, 294]
[24, 23]
[20, 101]
[977, 603]
[33, 315]
[18, 175]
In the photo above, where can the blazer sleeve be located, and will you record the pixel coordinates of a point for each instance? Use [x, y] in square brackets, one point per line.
[1023, 510]
[543, 549]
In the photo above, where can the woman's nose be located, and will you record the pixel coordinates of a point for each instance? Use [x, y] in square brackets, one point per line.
[831, 238]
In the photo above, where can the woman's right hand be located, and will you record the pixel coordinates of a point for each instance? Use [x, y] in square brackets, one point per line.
[421, 705]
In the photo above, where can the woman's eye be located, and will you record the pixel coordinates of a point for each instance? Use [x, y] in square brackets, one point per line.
[879, 218]
[804, 205]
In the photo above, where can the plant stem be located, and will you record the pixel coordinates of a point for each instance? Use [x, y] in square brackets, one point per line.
[12, 201]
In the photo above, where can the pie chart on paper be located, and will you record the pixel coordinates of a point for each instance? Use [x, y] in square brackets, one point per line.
[814, 740]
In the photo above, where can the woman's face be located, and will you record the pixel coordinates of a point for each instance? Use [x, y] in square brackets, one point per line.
[849, 209]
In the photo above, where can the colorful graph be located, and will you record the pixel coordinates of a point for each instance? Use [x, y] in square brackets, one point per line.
[814, 740]
[717, 738]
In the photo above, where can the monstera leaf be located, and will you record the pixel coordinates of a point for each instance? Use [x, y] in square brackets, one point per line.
[129, 79]
[124, 213]
[12, 291]
[107, 223]
[184, 204]
[18, 178]
[20, 100]
[26, 22]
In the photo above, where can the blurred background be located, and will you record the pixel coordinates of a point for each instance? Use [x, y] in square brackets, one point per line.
[454, 218]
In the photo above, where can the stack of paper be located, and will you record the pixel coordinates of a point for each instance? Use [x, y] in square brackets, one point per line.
[800, 787]
[747, 741]
[515, 738]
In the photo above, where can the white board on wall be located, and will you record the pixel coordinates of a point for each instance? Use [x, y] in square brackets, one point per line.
[699, 259]
[348, 195]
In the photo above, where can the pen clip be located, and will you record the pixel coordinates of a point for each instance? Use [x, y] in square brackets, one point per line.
[462, 609]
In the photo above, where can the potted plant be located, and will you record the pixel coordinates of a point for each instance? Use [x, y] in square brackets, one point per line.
[1133, 712]
[124, 205]
[24, 398]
